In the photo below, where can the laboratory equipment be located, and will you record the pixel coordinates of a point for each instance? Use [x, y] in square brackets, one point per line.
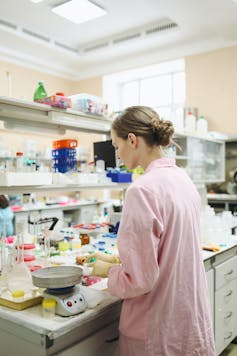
[61, 284]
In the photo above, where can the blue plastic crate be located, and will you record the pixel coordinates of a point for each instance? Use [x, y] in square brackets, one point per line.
[120, 177]
[64, 164]
[64, 152]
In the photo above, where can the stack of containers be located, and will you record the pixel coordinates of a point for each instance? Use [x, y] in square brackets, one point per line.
[64, 155]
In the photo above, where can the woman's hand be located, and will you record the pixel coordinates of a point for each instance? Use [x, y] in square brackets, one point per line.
[102, 257]
[101, 263]
[101, 268]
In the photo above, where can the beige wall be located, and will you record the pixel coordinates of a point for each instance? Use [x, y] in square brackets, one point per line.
[23, 82]
[211, 87]
[92, 86]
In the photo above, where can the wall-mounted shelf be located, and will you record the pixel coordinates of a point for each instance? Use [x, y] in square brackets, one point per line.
[61, 188]
[18, 114]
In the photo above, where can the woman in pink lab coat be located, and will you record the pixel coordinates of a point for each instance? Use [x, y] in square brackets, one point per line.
[161, 278]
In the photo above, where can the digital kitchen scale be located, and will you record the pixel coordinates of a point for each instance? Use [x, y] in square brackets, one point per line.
[69, 301]
[60, 283]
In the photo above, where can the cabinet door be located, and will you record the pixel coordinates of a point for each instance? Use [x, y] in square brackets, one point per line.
[203, 158]
[225, 315]
[102, 343]
[225, 272]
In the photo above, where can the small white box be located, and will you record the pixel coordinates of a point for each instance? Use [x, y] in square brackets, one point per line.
[25, 178]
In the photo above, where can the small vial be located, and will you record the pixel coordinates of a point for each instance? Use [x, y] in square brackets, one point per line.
[49, 306]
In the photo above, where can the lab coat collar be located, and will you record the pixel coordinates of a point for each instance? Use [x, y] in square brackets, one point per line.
[161, 162]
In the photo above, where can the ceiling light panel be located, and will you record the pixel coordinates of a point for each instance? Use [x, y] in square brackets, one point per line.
[79, 11]
[36, 1]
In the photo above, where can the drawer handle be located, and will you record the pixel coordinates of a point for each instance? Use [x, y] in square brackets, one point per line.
[228, 315]
[229, 273]
[109, 341]
[228, 337]
[229, 293]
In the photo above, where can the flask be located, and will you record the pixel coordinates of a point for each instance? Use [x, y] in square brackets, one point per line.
[40, 92]
[190, 122]
[202, 126]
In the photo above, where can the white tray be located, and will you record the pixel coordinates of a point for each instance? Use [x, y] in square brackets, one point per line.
[25, 178]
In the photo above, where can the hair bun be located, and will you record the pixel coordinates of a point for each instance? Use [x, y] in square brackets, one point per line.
[163, 129]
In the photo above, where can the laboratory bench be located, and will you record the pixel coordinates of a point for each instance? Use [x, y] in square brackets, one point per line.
[95, 331]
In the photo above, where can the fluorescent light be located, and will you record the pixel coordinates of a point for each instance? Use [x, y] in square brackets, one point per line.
[36, 1]
[79, 11]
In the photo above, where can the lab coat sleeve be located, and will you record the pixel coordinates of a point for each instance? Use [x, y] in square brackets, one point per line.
[138, 239]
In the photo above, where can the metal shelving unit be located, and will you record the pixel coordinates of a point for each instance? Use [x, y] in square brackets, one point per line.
[21, 113]
[17, 114]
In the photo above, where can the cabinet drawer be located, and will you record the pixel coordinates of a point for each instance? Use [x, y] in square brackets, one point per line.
[102, 343]
[225, 334]
[226, 297]
[225, 272]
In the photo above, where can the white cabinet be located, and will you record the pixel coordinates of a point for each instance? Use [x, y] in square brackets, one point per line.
[225, 303]
[203, 158]
[221, 272]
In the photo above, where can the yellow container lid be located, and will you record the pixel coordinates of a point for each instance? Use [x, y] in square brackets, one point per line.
[49, 303]
[18, 294]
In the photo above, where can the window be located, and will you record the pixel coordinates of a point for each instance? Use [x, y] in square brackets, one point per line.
[160, 86]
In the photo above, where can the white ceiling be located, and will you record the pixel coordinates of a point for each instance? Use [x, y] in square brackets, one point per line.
[32, 35]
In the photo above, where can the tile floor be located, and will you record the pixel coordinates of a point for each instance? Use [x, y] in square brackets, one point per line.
[230, 351]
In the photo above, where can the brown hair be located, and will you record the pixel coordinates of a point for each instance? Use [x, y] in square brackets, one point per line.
[145, 122]
[3, 202]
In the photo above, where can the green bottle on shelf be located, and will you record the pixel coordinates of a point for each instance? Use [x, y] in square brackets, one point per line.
[40, 92]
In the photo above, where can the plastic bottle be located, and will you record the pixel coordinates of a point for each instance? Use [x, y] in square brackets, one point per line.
[40, 92]
[202, 126]
[19, 161]
[76, 243]
[190, 123]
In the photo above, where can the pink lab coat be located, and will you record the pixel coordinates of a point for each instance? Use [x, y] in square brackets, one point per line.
[162, 280]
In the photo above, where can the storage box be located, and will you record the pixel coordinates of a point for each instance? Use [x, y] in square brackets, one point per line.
[89, 104]
[25, 178]
[57, 101]
[120, 177]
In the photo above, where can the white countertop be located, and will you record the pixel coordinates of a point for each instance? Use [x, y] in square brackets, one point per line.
[222, 197]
